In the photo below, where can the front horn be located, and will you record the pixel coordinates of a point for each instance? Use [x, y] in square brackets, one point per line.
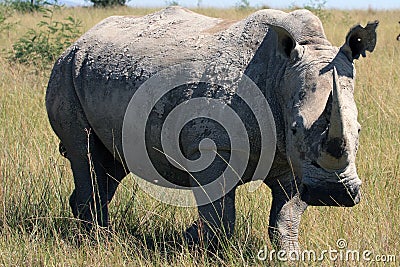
[334, 155]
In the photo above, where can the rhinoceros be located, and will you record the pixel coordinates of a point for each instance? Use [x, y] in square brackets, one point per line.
[306, 82]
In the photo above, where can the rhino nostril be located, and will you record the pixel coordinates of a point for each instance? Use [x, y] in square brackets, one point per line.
[336, 147]
[315, 164]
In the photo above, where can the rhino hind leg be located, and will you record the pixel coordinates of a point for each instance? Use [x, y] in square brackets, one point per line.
[96, 176]
[90, 163]
[96, 172]
[286, 210]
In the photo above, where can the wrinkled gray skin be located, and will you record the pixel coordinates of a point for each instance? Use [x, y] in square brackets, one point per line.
[307, 82]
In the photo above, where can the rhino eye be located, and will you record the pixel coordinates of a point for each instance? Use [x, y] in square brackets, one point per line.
[294, 128]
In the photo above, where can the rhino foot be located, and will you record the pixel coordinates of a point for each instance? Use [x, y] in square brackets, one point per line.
[192, 235]
[287, 208]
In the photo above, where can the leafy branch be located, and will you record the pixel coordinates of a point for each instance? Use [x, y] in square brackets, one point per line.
[48, 41]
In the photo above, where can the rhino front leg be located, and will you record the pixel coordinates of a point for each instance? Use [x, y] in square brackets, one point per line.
[216, 222]
[287, 208]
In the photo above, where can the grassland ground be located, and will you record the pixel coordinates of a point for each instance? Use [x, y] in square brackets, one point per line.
[36, 225]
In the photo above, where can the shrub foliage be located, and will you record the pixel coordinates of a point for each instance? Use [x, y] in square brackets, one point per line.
[108, 3]
[50, 38]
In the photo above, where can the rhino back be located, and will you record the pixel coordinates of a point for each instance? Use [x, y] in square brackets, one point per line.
[119, 54]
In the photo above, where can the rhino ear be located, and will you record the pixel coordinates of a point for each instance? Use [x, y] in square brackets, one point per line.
[359, 40]
[286, 43]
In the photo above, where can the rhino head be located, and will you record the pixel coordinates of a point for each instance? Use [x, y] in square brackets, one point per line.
[320, 114]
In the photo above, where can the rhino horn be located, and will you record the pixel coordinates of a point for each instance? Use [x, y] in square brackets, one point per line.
[334, 154]
[336, 127]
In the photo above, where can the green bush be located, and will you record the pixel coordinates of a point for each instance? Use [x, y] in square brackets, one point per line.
[46, 43]
[172, 3]
[318, 8]
[5, 13]
[243, 5]
[108, 3]
[25, 6]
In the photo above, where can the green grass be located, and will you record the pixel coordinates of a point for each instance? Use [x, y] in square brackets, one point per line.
[36, 225]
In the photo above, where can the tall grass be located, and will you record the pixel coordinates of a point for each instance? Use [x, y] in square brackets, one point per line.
[36, 225]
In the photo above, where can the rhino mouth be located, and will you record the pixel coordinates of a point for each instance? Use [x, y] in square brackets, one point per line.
[330, 188]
